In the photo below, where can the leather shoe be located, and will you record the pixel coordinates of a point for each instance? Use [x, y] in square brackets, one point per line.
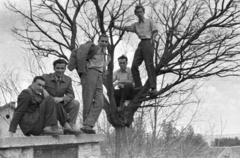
[52, 132]
[71, 131]
[88, 130]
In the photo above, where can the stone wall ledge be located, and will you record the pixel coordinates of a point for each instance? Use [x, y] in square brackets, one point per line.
[16, 142]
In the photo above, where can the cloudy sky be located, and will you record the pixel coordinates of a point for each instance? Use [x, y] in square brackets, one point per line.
[219, 110]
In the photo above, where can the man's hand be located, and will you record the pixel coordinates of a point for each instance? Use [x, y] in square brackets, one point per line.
[45, 93]
[119, 84]
[67, 99]
[10, 134]
[115, 83]
[58, 99]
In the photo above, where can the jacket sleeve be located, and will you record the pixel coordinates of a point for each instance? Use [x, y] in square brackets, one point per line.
[72, 64]
[23, 101]
[69, 94]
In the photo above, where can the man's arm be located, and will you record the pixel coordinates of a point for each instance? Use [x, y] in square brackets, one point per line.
[45, 93]
[69, 94]
[130, 28]
[125, 81]
[129, 77]
[154, 31]
[23, 101]
[72, 64]
[115, 82]
[122, 81]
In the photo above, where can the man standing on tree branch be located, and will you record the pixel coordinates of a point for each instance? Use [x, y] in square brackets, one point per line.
[146, 31]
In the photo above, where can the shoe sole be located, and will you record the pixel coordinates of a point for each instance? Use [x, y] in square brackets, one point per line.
[88, 131]
[72, 133]
[52, 134]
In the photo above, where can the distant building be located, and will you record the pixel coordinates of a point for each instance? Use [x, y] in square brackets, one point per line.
[6, 114]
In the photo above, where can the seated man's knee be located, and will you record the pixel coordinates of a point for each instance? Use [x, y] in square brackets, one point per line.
[75, 104]
[49, 99]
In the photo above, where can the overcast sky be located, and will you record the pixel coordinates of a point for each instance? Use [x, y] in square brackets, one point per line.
[219, 109]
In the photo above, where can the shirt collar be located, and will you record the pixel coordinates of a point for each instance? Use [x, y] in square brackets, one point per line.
[102, 50]
[123, 70]
[143, 20]
[58, 79]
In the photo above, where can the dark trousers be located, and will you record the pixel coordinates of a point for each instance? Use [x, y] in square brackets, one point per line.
[46, 115]
[72, 108]
[62, 115]
[122, 94]
[144, 52]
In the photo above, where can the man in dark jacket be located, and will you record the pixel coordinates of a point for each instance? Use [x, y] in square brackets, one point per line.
[37, 112]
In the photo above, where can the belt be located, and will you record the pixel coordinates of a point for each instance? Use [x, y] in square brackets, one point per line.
[146, 39]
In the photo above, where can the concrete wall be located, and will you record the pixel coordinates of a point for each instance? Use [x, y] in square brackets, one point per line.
[82, 146]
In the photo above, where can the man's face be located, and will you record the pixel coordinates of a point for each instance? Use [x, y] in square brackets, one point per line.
[38, 86]
[122, 64]
[103, 42]
[59, 70]
[139, 13]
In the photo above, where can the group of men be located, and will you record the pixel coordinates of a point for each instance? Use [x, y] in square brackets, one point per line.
[50, 97]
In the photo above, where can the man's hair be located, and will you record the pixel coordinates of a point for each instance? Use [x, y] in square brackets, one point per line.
[38, 78]
[123, 57]
[102, 35]
[138, 7]
[59, 61]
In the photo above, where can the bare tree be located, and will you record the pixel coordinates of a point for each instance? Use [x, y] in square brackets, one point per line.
[50, 26]
[9, 84]
[198, 39]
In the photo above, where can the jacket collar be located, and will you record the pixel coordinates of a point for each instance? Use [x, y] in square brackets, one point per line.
[53, 78]
[33, 92]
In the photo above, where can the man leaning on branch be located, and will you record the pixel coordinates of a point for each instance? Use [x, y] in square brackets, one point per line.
[146, 31]
[90, 61]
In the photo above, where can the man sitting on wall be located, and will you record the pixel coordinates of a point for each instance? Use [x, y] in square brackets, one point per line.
[59, 86]
[37, 113]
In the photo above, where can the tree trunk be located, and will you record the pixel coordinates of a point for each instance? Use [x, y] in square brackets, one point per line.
[121, 150]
